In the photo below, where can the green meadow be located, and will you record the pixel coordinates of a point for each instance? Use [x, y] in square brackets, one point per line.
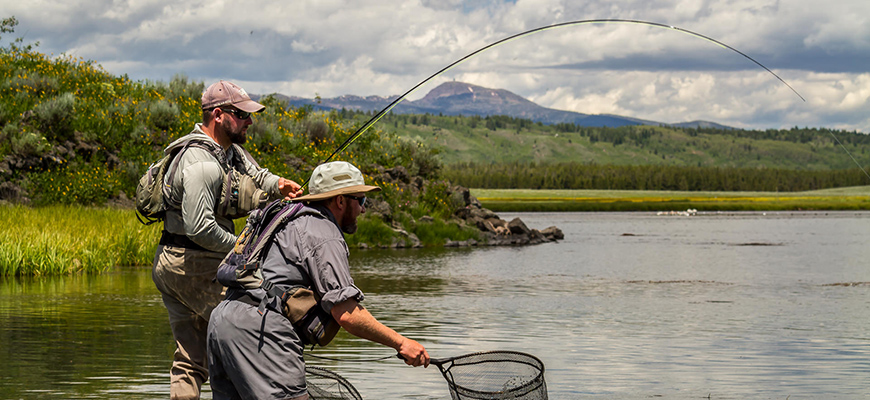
[850, 198]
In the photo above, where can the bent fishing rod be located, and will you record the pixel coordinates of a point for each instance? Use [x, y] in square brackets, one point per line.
[399, 99]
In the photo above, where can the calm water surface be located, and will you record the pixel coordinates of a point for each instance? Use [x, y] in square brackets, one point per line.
[628, 306]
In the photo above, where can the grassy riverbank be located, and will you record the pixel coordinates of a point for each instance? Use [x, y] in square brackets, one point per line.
[67, 239]
[851, 198]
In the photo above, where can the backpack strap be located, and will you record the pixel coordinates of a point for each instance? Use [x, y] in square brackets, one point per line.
[176, 155]
[254, 250]
[243, 153]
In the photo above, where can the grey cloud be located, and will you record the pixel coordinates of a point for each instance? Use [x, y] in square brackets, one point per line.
[371, 47]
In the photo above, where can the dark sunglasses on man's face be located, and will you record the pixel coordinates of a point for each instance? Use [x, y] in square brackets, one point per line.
[238, 113]
[360, 199]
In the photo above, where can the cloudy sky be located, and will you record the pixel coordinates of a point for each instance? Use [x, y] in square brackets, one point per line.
[380, 47]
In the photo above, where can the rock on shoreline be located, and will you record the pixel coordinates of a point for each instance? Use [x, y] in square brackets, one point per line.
[468, 212]
[497, 231]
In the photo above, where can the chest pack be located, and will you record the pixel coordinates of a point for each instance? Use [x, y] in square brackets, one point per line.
[239, 194]
[240, 271]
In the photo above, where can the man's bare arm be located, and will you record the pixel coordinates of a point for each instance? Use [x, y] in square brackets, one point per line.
[359, 322]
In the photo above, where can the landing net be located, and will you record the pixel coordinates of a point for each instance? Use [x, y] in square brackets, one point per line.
[324, 384]
[494, 375]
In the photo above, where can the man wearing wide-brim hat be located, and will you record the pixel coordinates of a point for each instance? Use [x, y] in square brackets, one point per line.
[259, 356]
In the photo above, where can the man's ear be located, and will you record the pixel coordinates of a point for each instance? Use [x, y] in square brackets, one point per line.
[336, 203]
[340, 202]
[218, 113]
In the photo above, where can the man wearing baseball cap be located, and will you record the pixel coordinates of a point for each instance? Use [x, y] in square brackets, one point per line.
[198, 229]
[259, 356]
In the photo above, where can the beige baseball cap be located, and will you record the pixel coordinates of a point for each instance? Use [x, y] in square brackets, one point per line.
[334, 179]
[228, 93]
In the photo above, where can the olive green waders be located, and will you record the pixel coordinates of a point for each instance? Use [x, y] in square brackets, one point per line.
[184, 278]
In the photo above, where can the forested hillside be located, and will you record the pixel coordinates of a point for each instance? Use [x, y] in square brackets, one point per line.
[506, 152]
[502, 139]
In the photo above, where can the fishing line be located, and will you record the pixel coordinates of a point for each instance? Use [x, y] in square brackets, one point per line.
[850, 154]
[395, 102]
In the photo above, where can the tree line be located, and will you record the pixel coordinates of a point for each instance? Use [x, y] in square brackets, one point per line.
[646, 177]
[638, 134]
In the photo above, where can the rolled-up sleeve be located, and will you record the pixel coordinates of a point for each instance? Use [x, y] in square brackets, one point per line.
[331, 274]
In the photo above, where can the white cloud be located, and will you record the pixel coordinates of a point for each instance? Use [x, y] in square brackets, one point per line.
[371, 47]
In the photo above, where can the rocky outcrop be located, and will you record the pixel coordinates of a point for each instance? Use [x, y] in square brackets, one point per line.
[497, 231]
[468, 211]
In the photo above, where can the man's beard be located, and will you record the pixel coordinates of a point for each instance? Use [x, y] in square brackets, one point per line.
[236, 137]
[348, 223]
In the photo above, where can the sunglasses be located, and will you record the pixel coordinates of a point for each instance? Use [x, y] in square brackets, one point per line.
[238, 113]
[360, 199]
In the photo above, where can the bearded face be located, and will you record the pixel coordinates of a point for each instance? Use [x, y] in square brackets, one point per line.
[352, 210]
[348, 221]
[235, 132]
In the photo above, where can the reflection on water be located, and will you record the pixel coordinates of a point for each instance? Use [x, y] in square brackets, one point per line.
[628, 306]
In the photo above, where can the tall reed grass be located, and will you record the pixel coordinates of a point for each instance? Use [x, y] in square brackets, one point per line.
[64, 239]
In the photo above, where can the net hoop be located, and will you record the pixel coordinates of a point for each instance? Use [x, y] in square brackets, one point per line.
[494, 375]
[324, 384]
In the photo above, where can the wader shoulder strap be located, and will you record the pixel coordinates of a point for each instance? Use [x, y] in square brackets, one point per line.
[254, 249]
[243, 153]
[176, 155]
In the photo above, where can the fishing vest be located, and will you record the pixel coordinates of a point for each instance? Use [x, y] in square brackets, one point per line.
[239, 194]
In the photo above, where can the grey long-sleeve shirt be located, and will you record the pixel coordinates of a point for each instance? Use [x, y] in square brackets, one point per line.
[197, 182]
[310, 251]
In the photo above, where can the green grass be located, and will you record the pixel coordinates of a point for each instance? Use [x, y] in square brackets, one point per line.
[65, 239]
[853, 198]
[69, 239]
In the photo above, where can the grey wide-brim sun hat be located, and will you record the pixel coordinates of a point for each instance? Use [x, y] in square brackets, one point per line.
[335, 179]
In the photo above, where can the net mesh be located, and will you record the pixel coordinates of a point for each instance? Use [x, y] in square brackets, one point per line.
[495, 375]
[324, 384]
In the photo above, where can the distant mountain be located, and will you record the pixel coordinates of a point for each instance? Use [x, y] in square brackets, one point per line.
[457, 98]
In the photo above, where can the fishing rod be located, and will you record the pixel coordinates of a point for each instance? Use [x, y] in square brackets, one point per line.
[395, 102]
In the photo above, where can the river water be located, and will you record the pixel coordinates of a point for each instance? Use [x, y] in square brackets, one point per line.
[628, 306]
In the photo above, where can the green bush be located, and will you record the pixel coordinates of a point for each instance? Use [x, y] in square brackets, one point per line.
[436, 232]
[53, 117]
[163, 114]
[318, 132]
[34, 84]
[82, 184]
[181, 87]
[25, 143]
[372, 231]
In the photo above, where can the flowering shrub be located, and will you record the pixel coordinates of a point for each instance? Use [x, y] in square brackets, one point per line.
[74, 134]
